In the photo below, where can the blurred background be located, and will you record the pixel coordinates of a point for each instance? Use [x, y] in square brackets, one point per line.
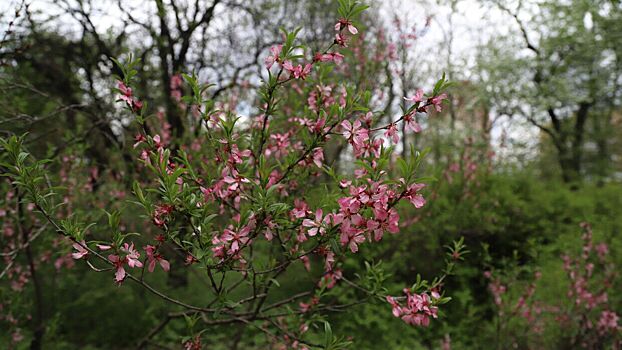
[527, 148]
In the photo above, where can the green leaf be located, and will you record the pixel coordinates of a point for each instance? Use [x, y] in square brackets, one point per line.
[328, 335]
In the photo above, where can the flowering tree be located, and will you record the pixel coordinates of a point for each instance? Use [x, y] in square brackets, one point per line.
[233, 200]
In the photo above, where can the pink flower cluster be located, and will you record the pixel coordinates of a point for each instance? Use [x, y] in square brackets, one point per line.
[229, 244]
[323, 96]
[274, 57]
[608, 322]
[299, 71]
[126, 255]
[340, 38]
[175, 88]
[228, 188]
[368, 210]
[153, 257]
[358, 136]
[418, 308]
[160, 213]
[328, 57]
[497, 289]
[127, 95]
[581, 270]
[130, 258]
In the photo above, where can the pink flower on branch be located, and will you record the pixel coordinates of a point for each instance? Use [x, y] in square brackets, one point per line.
[315, 226]
[118, 264]
[411, 123]
[127, 95]
[81, 251]
[298, 72]
[392, 133]
[328, 57]
[418, 97]
[418, 308]
[341, 40]
[437, 101]
[350, 234]
[154, 257]
[345, 23]
[275, 52]
[132, 255]
[412, 194]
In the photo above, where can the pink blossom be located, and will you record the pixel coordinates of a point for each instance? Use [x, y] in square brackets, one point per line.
[396, 309]
[328, 57]
[318, 157]
[301, 209]
[306, 262]
[126, 95]
[417, 310]
[236, 156]
[392, 133]
[340, 40]
[355, 133]
[236, 181]
[154, 257]
[299, 72]
[602, 250]
[315, 226]
[305, 307]
[350, 234]
[411, 123]
[275, 52]
[270, 226]
[418, 97]
[330, 278]
[345, 23]
[160, 212]
[193, 343]
[437, 101]
[125, 90]
[176, 81]
[118, 263]
[237, 239]
[132, 255]
[608, 321]
[158, 142]
[140, 138]
[81, 251]
[413, 196]
[17, 336]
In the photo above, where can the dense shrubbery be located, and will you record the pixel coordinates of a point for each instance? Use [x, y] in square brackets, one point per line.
[285, 206]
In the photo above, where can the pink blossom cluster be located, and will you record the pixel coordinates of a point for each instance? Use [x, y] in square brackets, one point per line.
[581, 270]
[328, 57]
[175, 87]
[298, 71]
[340, 38]
[608, 322]
[230, 185]
[127, 95]
[229, 244]
[496, 288]
[154, 257]
[322, 97]
[418, 307]
[126, 255]
[436, 101]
